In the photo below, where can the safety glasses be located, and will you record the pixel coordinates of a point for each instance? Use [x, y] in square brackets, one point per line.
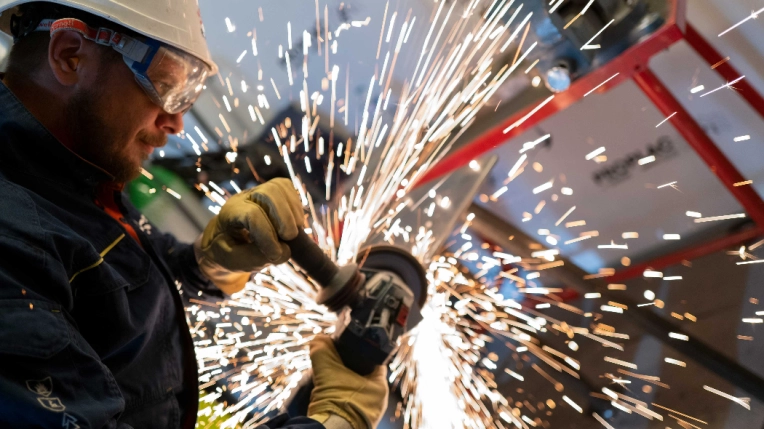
[171, 78]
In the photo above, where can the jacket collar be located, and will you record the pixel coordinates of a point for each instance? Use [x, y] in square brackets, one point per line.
[29, 150]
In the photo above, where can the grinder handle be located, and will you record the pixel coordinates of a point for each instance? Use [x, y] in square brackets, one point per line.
[310, 257]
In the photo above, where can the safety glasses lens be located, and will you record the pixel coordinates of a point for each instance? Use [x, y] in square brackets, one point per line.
[177, 79]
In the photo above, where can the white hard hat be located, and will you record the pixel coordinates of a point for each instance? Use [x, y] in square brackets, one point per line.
[177, 23]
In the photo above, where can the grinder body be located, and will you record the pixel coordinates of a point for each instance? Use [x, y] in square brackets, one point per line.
[384, 298]
[378, 317]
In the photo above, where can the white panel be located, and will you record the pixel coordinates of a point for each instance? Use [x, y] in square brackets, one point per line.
[723, 114]
[624, 122]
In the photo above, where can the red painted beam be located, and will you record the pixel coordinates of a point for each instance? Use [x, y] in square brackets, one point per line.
[649, 83]
[725, 70]
[625, 65]
[688, 254]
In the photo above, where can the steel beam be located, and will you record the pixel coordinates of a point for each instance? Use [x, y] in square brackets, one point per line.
[725, 70]
[496, 230]
[688, 253]
[620, 68]
[662, 98]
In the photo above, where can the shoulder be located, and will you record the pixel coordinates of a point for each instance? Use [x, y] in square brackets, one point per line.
[19, 217]
[28, 217]
[35, 257]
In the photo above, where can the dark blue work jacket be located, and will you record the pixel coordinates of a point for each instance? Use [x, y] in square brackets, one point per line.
[92, 328]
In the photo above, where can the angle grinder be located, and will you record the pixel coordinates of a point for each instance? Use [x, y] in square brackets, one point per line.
[385, 296]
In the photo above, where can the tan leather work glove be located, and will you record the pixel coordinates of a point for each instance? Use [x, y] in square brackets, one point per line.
[359, 400]
[249, 233]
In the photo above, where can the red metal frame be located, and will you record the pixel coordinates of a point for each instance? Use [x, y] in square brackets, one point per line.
[725, 70]
[703, 145]
[633, 64]
[626, 65]
[688, 254]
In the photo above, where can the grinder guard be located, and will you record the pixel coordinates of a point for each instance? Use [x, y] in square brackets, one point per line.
[401, 263]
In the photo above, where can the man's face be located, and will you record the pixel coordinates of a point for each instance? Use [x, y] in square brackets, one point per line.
[114, 123]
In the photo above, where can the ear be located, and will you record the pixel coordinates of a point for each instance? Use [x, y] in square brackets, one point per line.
[67, 54]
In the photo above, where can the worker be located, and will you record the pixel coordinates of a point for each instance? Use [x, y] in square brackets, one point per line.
[92, 328]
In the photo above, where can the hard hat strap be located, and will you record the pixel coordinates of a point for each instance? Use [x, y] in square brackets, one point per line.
[128, 46]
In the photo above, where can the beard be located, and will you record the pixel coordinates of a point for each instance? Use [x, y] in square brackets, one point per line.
[103, 140]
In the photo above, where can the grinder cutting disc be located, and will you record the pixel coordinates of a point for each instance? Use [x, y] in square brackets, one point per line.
[404, 265]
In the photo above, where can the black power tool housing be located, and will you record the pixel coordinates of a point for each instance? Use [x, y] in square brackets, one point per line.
[385, 296]
[385, 307]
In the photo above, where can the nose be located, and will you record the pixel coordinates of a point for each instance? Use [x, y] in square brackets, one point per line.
[170, 123]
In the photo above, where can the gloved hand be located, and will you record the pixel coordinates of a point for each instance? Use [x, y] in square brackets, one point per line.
[249, 233]
[360, 400]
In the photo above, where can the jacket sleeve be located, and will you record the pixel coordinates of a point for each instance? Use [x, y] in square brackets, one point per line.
[50, 376]
[182, 263]
[282, 421]
[178, 256]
